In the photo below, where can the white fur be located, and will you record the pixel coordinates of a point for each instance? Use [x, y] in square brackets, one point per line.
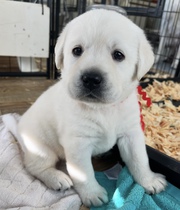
[61, 124]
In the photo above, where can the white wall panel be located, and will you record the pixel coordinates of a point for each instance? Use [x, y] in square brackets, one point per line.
[24, 30]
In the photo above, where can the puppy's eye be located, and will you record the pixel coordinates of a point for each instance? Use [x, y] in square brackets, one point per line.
[77, 51]
[117, 55]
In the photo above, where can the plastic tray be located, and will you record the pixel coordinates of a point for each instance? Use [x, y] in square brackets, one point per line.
[159, 161]
[165, 165]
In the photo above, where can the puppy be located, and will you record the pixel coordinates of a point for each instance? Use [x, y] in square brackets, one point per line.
[103, 55]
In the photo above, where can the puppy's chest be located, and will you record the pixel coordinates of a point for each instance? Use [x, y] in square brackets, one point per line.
[101, 131]
[101, 128]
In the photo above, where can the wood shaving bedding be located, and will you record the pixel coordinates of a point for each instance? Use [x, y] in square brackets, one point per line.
[162, 121]
[159, 91]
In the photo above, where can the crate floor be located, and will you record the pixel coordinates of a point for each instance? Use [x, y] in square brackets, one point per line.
[17, 94]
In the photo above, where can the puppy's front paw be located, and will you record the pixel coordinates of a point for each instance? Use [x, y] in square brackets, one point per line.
[154, 183]
[56, 179]
[93, 196]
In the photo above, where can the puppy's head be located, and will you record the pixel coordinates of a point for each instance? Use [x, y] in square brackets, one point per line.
[102, 55]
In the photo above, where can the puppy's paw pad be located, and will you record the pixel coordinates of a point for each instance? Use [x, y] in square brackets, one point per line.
[156, 184]
[95, 197]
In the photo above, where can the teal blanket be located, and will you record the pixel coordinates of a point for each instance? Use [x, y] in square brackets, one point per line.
[125, 194]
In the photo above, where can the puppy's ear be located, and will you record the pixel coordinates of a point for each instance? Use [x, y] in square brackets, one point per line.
[145, 56]
[59, 57]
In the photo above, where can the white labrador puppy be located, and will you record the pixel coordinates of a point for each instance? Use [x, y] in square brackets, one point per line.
[102, 55]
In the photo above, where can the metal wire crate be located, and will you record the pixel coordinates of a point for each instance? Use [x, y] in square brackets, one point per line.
[160, 19]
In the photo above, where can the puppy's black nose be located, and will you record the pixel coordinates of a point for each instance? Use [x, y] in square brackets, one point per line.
[91, 80]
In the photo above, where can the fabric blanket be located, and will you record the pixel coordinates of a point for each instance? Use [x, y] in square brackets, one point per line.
[21, 191]
[125, 194]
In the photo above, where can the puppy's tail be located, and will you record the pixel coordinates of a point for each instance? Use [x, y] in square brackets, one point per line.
[11, 122]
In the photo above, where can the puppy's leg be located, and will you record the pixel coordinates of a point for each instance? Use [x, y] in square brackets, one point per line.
[133, 152]
[40, 161]
[81, 171]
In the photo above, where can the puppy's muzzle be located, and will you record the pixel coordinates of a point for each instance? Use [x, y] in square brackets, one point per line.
[92, 86]
[91, 80]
